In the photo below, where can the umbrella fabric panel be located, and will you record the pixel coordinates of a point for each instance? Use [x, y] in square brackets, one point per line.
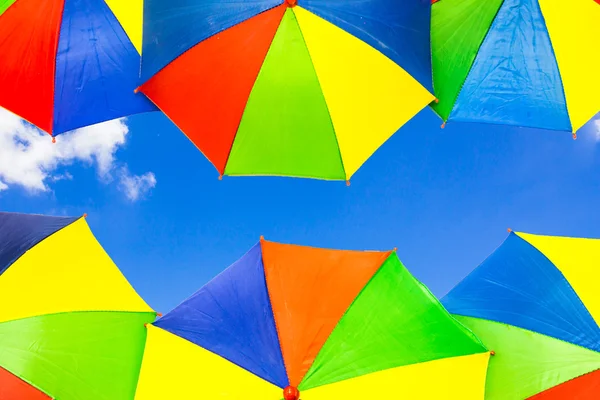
[455, 378]
[577, 259]
[12, 388]
[97, 68]
[225, 67]
[174, 368]
[394, 321]
[310, 290]
[74, 356]
[173, 27]
[130, 14]
[519, 286]
[458, 28]
[68, 271]
[298, 141]
[585, 387]
[527, 363]
[397, 28]
[20, 232]
[515, 78]
[369, 97]
[29, 32]
[231, 316]
[574, 30]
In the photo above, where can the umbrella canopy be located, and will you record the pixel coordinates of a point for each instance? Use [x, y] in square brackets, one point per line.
[535, 302]
[530, 63]
[307, 88]
[71, 326]
[70, 63]
[329, 324]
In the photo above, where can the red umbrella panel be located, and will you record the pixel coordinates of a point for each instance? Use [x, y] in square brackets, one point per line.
[13, 388]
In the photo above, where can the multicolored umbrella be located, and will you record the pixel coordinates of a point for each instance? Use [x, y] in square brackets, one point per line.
[304, 88]
[67, 64]
[71, 326]
[535, 302]
[530, 63]
[330, 324]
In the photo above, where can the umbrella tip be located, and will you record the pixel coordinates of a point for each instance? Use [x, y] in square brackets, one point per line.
[220, 177]
[443, 125]
[509, 230]
[574, 136]
[291, 393]
[84, 215]
[291, 3]
[348, 183]
[53, 139]
[136, 90]
[395, 249]
[436, 100]
[146, 325]
[262, 238]
[492, 353]
[158, 314]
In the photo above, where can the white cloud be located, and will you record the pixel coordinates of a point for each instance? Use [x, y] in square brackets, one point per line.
[135, 186]
[29, 159]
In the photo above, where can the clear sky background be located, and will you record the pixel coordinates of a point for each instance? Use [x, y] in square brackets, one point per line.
[443, 197]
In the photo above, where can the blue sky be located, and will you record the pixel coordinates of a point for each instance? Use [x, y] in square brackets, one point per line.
[443, 197]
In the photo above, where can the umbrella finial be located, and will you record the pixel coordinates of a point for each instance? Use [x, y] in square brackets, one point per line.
[291, 3]
[574, 136]
[348, 183]
[291, 393]
[509, 230]
[53, 139]
[443, 125]
[492, 353]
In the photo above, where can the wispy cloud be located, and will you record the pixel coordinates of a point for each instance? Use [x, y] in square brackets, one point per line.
[135, 186]
[29, 159]
[596, 127]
